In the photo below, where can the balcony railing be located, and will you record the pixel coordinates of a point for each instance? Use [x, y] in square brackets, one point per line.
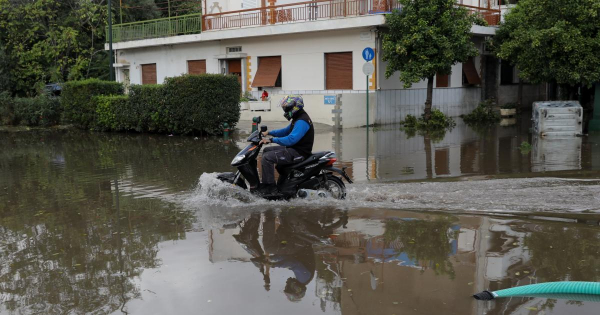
[317, 10]
[180, 25]
[297, 12]
[271, 15]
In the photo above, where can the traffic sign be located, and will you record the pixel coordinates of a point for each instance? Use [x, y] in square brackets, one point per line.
[368, 68]
[368, 54]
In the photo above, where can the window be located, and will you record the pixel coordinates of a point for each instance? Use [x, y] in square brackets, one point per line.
[149, 73]
[196, 66]
[441, 80]
[235, 49]
[338, 71]
[268, 73]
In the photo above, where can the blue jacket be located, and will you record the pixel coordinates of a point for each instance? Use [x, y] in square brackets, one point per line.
[288, 137]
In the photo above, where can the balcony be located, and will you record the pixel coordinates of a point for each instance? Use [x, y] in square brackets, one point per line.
[317, 10]
[271, 15]
[165, 27]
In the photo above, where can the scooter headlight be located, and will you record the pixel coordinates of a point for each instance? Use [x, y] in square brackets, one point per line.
[237, 159]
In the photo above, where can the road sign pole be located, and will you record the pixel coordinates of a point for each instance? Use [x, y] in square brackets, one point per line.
[367, 104]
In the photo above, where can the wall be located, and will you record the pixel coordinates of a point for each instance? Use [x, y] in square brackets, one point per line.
[531, 93]
[353, 106]
[302, 56]
[170, 60]
[394, 105]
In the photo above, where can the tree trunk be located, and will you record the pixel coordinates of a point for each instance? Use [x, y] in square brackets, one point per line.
[428, 102]
[520, 96]
[428, 156]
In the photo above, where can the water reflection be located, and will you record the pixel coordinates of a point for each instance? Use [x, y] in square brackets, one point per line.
[385, 262]
[395, 154]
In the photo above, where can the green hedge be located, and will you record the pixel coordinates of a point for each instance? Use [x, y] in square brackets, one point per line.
[33, 111]
[185, 104]
[149, 102]
[114, 113]
[202, 103]
[78, 102]
[7, 111]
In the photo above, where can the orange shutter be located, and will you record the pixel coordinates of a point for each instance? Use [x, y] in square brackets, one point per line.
[441, 80]
[338, 71]
[196, 66]
[268, 71]
[149, 73]
[471, 72]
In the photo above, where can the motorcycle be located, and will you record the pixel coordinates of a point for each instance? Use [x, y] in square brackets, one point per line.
[314, 176]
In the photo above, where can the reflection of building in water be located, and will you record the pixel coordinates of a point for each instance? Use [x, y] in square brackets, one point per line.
[556, 154]
[388, 262]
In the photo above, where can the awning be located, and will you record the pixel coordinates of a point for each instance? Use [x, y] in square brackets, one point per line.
[471, 72]
[268, 71]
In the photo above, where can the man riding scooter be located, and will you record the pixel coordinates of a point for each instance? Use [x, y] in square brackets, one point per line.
[295, 142]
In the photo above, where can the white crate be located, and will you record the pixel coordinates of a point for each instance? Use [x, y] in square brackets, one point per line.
[260, 105]
[558, 119]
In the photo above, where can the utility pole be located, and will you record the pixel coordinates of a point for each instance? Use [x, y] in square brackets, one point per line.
[111, 75]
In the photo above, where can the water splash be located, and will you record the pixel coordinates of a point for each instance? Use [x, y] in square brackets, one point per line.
[525, 195]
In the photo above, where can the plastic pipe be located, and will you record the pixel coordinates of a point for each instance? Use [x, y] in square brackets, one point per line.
[588, 291]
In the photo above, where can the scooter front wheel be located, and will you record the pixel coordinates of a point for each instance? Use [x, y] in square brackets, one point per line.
[335, 187]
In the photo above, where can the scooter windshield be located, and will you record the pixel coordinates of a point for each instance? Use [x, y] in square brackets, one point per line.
[254, 137]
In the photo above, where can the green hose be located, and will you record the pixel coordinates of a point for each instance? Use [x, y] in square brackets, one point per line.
[587, 291]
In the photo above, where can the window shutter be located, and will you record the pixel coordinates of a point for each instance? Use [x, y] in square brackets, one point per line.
[441, 80]
[268, 71]
[471, 72]
[149, 73]
[338, 71]
[196, 66]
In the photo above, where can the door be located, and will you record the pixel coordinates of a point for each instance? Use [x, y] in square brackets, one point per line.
[235, 68]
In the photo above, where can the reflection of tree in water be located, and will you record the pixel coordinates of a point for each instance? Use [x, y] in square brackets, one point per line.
[562, 253]
[288, 240]
[425, 241]
[65, 247]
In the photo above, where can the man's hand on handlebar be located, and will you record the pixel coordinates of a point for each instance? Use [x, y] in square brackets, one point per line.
[265, 141]
[266, 133]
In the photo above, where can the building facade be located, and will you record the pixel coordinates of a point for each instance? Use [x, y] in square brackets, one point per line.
[308, 48]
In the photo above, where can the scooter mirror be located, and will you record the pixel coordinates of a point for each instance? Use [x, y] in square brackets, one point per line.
[263, 128]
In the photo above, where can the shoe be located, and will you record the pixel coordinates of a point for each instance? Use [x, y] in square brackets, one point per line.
[267, 189]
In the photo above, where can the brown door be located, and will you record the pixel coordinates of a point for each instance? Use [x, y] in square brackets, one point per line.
[338, 71]
[149, 73]
[235, 68]
[196, 66]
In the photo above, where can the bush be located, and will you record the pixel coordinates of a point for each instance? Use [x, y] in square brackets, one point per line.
[7, 111]
[37, 111]
[438, 121]
[483, 114]
[149, 104]
[115, 113]
[202, 103]
[77, 99]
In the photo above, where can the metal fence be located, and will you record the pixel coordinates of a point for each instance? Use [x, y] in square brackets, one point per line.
[179, 25]
[394, 105]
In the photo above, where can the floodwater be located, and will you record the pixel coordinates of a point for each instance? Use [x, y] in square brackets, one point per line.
[138, 224]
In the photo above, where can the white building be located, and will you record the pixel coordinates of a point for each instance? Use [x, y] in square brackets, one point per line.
[309, 48]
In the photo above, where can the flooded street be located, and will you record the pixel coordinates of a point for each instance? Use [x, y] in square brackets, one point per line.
[138, 224]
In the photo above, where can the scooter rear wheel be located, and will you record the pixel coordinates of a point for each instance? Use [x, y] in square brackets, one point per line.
[335, 187]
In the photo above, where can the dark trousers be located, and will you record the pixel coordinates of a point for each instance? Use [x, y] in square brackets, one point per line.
[277, 155]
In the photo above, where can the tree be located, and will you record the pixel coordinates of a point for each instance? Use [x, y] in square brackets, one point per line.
[553, 41]
[51, 41]
[427, 37]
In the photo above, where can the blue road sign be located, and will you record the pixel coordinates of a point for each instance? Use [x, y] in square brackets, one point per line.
[329, 100]
[368, 54]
